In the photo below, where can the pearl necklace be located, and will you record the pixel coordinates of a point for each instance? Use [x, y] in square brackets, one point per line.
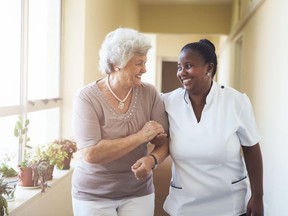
[121, 102]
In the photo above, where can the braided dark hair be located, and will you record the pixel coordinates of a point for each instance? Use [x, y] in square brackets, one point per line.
[206, 49]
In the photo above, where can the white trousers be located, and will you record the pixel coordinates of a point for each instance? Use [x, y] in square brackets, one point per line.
[140, 206]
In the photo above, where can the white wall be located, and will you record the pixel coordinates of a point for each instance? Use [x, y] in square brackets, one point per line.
[269, 92]
[265, 80]
[73, 53]
[56, 200]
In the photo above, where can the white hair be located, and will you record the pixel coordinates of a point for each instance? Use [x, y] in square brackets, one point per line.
[120, 46]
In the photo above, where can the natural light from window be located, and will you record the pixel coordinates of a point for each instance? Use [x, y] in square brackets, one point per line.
[30, 71]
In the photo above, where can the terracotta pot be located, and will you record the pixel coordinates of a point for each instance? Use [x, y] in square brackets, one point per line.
[50, 172]
[26, 177]
[66, 162]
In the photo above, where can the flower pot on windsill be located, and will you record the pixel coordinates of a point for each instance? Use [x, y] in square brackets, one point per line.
[50, 171]
[26, 177]
[11, 183]
[67, 161]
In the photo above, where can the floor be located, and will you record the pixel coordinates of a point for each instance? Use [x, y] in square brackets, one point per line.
[162, 176]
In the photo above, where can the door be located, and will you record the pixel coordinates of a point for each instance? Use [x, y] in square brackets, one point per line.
[169, 78]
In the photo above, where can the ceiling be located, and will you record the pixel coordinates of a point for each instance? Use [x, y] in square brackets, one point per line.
[185, 1]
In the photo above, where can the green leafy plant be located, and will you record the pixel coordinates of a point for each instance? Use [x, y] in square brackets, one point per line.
[20, 131]
[9, 176]
[5, 168]
[7, 171]
[29, 161]
[3, 202]
[67, 145]
[52, 153]
[47, 156]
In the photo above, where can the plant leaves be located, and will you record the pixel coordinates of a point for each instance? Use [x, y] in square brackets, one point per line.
[16, 134]
[27, 122]
[18, 125]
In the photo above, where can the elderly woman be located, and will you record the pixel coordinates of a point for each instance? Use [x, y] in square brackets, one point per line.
[113, 120]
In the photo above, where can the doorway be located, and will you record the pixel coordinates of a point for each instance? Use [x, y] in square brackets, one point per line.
[169, 78]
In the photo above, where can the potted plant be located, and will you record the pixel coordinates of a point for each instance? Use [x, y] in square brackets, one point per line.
[27, 178]
[34, 172]
[7, 171]
[38, 163]
[3, 202]
[9, 175]
[53, 154]
[5, 168]
[20, 131]
[40, 171]
[42, 163]
[68, 146]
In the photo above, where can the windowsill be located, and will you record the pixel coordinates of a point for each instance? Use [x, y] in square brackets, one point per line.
[25, 197]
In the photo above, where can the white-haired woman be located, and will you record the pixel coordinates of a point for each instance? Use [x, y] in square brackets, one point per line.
[113, 120]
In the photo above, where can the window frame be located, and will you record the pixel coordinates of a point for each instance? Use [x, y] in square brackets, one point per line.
[26, 106]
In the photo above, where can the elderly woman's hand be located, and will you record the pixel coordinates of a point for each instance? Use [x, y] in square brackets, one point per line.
[150, 131]
[143, 167]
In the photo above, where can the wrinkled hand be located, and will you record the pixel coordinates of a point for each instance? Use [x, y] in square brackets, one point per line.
[255, 207]
[143, 167]
[150, 130]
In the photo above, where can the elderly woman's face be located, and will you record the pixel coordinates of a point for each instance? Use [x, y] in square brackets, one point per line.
[135, 68]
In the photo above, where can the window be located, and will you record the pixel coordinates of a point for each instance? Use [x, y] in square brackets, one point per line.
[29, 71]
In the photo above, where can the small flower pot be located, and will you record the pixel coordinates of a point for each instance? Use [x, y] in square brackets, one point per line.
[27, 178]
[67, 161]
[11, 187]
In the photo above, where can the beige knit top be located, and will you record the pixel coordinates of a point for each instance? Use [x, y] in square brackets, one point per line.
[93, 120]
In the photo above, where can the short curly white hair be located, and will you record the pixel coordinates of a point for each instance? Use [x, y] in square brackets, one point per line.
[120, 46]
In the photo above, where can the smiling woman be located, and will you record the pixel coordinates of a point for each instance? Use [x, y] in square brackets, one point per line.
[114, 119]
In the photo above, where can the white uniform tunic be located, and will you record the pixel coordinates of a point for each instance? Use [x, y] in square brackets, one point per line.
[208, 172]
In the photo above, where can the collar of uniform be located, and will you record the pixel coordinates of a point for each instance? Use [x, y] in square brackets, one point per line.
[212, 93]
[209, 97]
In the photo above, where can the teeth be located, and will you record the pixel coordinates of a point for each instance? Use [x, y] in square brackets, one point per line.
[185, 80]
